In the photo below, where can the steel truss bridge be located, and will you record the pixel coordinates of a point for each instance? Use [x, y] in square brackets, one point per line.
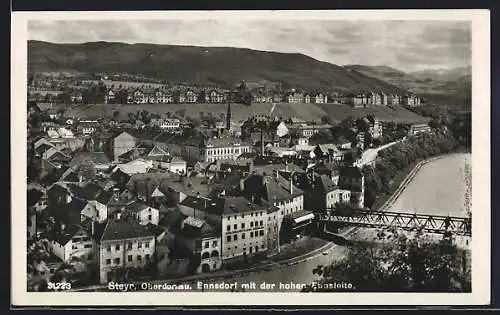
[427, 223]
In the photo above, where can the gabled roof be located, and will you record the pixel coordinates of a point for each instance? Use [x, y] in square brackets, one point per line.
[278, 189]
[327, 184]
[95, 157]
[68, 213]
[123, 230]
[137, 207]
[64, 237]
[172, 219]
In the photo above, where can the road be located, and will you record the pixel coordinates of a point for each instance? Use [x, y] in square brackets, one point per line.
[370, 155]
[435, 189]
[437, 185]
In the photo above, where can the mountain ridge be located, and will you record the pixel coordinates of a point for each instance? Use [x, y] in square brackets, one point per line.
[203, 65]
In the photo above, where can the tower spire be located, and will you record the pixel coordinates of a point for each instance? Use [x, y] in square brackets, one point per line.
[228, 116]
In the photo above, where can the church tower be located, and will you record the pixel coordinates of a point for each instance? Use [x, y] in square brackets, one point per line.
[228, 117]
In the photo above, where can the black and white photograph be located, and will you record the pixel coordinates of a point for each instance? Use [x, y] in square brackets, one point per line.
[183, 154]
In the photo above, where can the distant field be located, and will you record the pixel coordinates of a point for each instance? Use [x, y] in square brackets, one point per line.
[395, 114]
[308, 112]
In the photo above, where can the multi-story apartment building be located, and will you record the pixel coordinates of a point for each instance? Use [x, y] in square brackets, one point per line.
[411, 100]
[418, 128]
[224, 149]
[320, 98]
[202, 240]
[244, 228]
[191, 96]
[122, 143]
[282, 197]
[352, 181]
[294, 97]
[241, 222]
[123, 244]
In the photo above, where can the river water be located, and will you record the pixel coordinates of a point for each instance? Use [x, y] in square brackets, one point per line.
[437, 188]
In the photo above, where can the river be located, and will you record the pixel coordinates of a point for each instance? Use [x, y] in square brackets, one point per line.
[437, 188]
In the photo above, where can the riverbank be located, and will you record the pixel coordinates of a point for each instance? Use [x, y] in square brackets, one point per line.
[403, 178]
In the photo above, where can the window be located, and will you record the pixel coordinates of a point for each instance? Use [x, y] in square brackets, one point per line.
[150, 217]
[242, 216]
[108, 261]
[207, 244]
[74, 247]
[251, 234]
[117, 247]
[251, 224]
[242, 225]
[109, 248]
[139, 245]
[147, 256]
[87, 246]
[228, 228]
[235, 237]
[139, 258]
[117, 261]
[261, 223]
[129, 258]
[229, 238]
[242, 236]
[147, 245]
[214, 243]
[261, 232]
[90, 256]
[129, 246]
[235, 226]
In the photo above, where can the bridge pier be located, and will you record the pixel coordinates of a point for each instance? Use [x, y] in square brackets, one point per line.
[463, 242]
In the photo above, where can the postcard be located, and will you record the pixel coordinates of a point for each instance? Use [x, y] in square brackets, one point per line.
[204, 158]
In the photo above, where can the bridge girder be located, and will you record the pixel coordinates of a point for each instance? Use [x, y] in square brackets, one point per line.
[427, 223]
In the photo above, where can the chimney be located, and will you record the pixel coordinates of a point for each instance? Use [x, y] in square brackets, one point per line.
[291, 184]
[93, 228]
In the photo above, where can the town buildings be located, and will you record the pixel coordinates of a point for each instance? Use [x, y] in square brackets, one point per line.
[418, 128]
[223, 149]
[123, 245]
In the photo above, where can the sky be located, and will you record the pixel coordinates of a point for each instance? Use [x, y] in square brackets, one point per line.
[405, 45]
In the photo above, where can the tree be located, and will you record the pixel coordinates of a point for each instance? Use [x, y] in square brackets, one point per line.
[396, 262]
[132, 117]
[325, 119]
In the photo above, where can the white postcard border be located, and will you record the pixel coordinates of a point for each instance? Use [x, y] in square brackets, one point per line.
[480, 159]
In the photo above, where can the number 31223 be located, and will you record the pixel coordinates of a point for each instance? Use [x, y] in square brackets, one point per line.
[59, 286]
